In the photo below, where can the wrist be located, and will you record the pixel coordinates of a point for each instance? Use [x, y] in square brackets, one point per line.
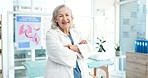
[68, 46]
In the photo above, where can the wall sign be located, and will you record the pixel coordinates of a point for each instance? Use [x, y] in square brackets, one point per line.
[28, 32]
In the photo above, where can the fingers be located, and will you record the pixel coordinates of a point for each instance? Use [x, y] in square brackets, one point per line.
[83, 42]
[67, 46]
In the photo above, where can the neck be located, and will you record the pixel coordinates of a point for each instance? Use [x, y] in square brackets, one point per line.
[66, 31]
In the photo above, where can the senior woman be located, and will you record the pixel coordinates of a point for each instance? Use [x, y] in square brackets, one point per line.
[67, 51]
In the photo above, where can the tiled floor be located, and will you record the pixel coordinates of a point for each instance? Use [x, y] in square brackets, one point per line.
[1, 75]
[117, 75]
[112, 74]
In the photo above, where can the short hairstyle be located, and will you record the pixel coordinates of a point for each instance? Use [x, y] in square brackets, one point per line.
[54, 24]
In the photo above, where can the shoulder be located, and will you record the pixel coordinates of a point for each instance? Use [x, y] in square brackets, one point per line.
[52, 34]
[52, 31]
[75, 31]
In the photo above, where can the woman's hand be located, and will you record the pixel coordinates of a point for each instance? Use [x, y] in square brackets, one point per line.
[73, 47]
[83, 42]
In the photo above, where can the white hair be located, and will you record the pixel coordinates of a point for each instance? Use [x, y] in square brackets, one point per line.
[54, 24]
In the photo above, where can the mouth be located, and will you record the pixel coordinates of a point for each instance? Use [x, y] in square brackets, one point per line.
[65, 22]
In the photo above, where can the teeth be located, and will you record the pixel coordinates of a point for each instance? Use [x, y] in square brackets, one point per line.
[64, 22]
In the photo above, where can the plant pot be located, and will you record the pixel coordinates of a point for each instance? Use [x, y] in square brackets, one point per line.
[118, 53]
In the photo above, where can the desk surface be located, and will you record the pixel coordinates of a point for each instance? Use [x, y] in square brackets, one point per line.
[98, 63]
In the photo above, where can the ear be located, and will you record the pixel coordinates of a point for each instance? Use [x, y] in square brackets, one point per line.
[71, 17]
[55, 20]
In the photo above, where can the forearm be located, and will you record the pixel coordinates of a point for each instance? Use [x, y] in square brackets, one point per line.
[74, 48]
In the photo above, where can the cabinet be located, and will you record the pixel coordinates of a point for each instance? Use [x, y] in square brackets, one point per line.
[136, 65]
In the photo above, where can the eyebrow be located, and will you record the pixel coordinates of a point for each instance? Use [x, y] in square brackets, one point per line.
[65, 13]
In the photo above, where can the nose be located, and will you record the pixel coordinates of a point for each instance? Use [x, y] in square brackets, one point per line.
[64, 17]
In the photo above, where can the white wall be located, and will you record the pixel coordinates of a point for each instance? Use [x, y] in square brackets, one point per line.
[104, 4]
[5, 5]
[105, 23]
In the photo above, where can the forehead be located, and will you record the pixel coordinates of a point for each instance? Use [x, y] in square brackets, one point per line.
[63, 10]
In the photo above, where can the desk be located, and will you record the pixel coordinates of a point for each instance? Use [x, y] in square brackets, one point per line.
[102, 64]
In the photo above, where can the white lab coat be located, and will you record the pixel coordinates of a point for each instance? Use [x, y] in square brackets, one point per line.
[62, 60]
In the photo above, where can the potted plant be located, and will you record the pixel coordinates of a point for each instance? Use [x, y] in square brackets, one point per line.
[100, 43]
[117, 49]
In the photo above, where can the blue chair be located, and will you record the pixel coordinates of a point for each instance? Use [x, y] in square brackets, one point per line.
[35, 68]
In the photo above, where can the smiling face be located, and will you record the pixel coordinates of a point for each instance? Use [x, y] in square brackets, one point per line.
[64, 18]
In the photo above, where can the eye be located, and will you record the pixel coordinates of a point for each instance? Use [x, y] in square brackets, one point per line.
[67, 14]
[60, 15]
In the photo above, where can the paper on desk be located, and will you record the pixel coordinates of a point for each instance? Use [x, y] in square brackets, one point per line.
[101, 56]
